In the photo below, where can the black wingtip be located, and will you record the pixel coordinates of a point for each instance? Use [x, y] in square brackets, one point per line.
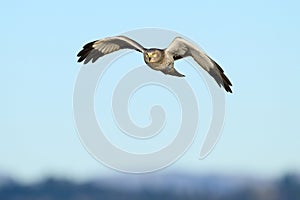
[228, 89]
[226, 82]
[85, 52]
[220, 77]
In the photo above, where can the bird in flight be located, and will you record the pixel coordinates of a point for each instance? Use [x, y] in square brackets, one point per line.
[157, 59]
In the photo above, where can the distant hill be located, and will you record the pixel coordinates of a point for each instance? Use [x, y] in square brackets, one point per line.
[151, 186]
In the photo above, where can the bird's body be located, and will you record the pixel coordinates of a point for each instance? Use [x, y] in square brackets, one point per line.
[157, 59]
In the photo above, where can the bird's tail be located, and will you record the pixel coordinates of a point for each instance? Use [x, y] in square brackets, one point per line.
[172, 71]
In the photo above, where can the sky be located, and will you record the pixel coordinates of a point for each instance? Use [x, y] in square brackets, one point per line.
[255, 42]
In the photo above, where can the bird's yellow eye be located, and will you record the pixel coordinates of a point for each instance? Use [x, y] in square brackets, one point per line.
[154, 54]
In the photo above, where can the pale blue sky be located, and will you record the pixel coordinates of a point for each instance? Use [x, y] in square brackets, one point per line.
[256, 43]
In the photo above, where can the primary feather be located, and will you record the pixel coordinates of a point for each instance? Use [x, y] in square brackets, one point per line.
[96, 49]
[181, 48]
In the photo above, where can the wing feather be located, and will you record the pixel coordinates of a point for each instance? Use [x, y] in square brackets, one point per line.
[180, 48]
[96, 49]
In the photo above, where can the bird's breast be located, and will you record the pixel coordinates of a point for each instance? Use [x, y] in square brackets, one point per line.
[155, 65]
[160, 65]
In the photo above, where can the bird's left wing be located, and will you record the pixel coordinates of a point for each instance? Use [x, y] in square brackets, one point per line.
[180, 48]
[96, 49]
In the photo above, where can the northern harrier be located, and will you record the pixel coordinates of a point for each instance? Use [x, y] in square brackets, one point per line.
[157, 59]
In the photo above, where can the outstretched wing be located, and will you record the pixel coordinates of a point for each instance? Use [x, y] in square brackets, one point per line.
[96, 49]
[180, 48]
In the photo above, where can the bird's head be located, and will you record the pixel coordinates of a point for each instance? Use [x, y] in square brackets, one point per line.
[153, 55]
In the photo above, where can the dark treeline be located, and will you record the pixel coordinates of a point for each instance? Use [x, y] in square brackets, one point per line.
[170, 187]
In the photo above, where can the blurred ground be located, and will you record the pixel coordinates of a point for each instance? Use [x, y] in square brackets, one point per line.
[151, 186]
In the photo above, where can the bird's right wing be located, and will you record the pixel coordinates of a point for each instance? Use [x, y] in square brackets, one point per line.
[96, 49]
[181, 48]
